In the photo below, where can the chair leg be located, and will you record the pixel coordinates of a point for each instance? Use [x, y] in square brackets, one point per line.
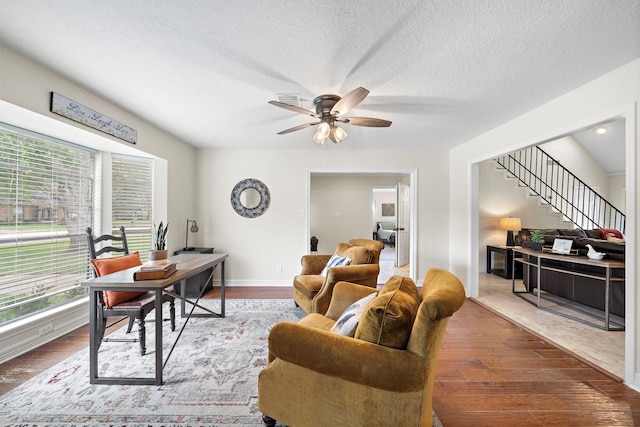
[142, 333]
[131, 321]
[172, 314]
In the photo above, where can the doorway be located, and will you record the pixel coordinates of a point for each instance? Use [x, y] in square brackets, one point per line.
[340, 206]
[497, 198]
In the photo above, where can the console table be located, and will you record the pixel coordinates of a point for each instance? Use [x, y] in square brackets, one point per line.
[507, 253]
[569, 265]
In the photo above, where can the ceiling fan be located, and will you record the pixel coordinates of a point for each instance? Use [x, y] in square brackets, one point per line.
[330, 109]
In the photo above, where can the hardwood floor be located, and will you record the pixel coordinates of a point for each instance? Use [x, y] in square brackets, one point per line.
[489, 373]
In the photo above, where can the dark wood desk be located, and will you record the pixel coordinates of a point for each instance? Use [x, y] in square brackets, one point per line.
[188, 265]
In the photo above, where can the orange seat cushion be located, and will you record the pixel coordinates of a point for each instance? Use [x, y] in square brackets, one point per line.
[106, 266]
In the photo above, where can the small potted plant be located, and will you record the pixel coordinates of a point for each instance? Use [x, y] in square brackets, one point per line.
[537, 239]
[159, 237]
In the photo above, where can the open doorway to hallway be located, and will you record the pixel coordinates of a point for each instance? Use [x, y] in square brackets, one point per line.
[390, 219]
[340, 208]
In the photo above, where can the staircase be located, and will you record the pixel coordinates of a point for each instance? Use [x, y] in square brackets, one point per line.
[561, 189]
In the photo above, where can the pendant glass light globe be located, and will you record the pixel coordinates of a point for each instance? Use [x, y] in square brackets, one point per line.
[339, 134]
[322, 133]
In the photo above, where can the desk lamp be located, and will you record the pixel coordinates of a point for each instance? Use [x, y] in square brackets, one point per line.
[194, 229]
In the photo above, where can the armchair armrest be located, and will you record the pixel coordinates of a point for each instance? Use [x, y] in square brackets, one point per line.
[348, 358]
[345, 294]
[362, 274]
[313, 264]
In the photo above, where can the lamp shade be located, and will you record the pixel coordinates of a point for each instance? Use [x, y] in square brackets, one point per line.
[510, 224]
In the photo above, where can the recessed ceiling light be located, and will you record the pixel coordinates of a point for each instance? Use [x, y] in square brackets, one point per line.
[601, 131]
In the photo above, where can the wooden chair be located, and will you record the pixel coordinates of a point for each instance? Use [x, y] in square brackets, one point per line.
[123, 304]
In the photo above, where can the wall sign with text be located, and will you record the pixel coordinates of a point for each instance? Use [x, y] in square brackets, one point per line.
[81, 114]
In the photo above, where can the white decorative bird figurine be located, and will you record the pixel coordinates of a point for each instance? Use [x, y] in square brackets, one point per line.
[593, 254]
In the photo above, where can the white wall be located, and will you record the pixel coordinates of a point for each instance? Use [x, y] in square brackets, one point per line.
[576, 159]
[613, 94]
[257, 246]
[617, 190]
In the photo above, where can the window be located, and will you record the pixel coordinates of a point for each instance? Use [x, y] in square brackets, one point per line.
[46, 203]
[132, 200]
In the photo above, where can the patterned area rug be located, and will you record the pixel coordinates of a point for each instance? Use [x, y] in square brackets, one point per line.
[210, 379]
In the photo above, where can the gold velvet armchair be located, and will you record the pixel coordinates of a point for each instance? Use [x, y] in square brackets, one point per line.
[383, 376]
[312, 291]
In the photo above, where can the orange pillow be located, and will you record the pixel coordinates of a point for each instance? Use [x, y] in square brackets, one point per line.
[106, 266]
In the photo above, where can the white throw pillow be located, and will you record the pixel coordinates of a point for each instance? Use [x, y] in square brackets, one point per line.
[335, 261]
[349, 319]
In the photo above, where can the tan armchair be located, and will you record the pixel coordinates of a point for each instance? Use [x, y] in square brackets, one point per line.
[384, 376]
[312, 291]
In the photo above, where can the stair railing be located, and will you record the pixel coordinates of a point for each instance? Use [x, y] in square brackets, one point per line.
[561, 189]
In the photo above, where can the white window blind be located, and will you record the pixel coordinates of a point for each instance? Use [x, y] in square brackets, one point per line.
[132, 200]
[46, 203]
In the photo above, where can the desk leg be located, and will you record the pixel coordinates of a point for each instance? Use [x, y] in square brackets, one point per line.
[93, 336]
[222, 285]
[159, 316]
[183, 297]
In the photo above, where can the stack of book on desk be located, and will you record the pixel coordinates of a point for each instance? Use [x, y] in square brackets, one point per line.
[155, 270]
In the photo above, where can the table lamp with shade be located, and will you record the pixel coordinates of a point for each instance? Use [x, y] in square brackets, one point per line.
[511, 225]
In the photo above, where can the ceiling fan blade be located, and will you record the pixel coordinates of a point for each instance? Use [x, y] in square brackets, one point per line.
[299, 127]
[294, 109]
[349, 101]
[366, 121]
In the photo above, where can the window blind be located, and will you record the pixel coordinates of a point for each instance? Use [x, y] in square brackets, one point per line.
[46, 203]
[132, 200]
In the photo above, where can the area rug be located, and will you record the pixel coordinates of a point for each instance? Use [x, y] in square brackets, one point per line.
[210, 380]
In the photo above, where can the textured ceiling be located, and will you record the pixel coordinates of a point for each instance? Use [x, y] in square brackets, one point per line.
[443, 71]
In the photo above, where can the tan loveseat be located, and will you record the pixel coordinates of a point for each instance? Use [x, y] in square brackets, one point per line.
[312, 291]
[381, 377]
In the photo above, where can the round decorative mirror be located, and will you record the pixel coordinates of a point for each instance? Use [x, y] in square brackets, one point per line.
[250, 198]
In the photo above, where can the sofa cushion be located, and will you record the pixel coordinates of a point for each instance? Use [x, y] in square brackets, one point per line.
[573, 232]
[388, 318]
[335, 261]
[104, 266]
[349, 319]
[593, 234]
[358, 254]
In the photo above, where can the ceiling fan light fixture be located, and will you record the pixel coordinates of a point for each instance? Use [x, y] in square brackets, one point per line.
[322, 133]
[339, 134]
